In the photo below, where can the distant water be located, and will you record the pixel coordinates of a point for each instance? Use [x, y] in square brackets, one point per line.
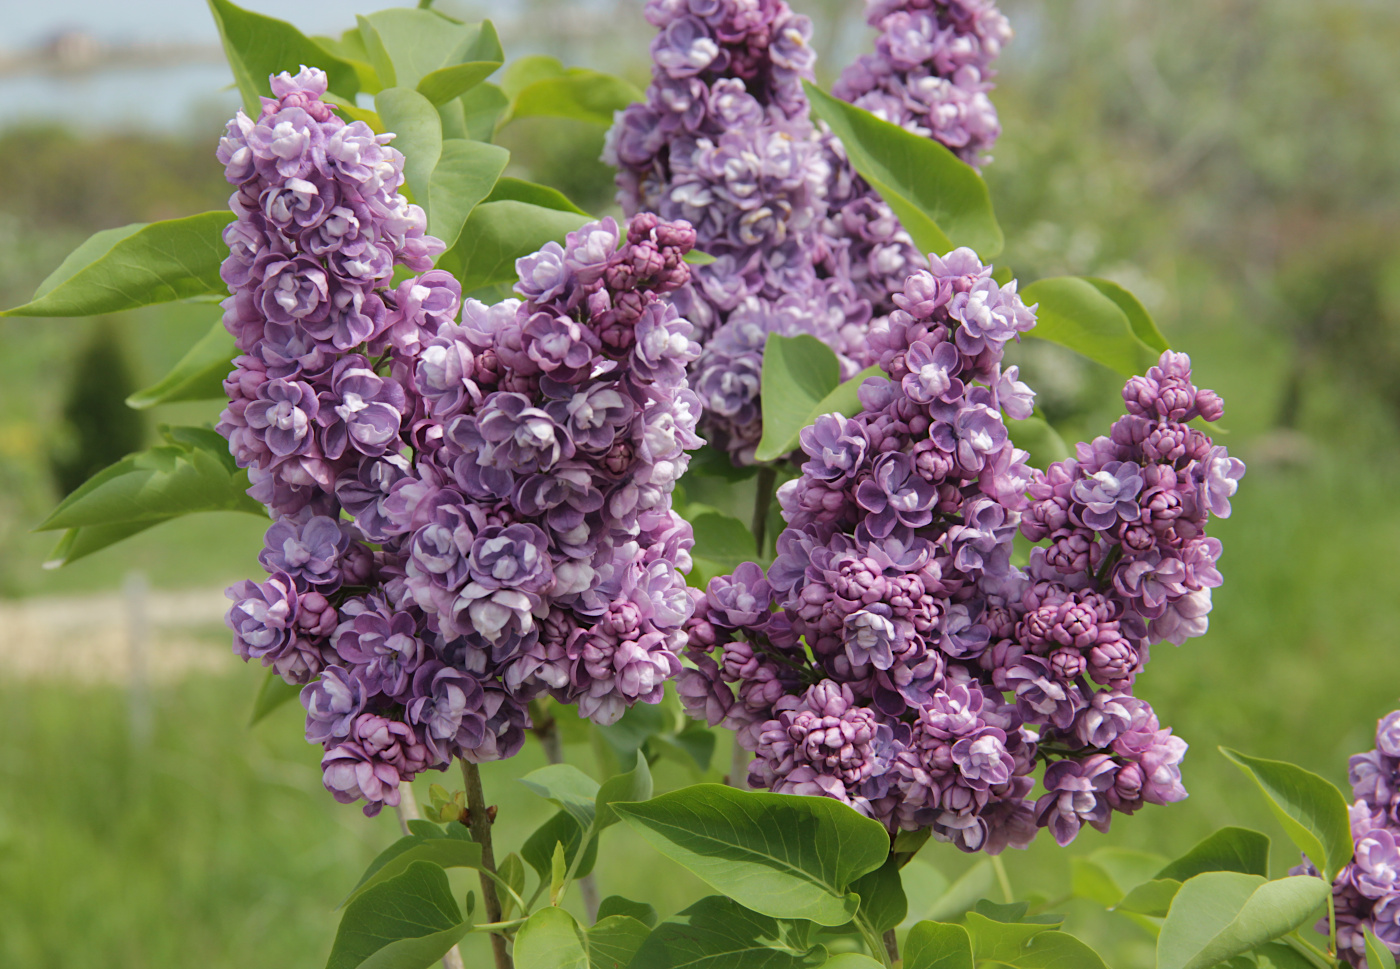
[168, 99]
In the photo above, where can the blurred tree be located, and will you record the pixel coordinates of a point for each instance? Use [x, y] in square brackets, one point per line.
[98, 428]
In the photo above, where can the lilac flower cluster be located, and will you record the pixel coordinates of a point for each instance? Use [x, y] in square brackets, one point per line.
[931, 73]
[1367, 891]
[724, 142]
[472, 502]
[893, 657]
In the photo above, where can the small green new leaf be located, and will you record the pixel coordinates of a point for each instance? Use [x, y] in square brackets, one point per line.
[273, 693]
[1378, 954]
[417, 129]
[940, 200]
[934, 945]
[1218, 915]
[198, 376]
[697, 258]
[1311, 809]
[719, 933]
[465, 174]
[134, 266]
[1077, 314]
[569, 788]
[408, 920]
[551, 940]
[258, 47]
[782, 856]
[1229, 849]
[558, 869]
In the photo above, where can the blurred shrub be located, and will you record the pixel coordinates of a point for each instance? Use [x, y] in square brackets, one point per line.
[98, 428]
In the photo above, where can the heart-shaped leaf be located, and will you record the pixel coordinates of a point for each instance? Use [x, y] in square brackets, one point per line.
[417, 130]
[1220, 914]
[1143, 326]
[399, 856]
[780, 855]
[136, 265]
[940, 200]
[1311, 809]
[614, 940]
[569, 788]
[465, 174]
[801, 381]
[617, 905]
[410, 920]
[538, 850]
[882, 901]
[1151, 897]
[1229, 849]
[934, 945]
[577, 93]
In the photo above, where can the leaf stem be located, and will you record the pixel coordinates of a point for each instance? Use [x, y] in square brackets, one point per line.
[763, 497]
[1309, 951]
[1331, 923]
[1002, 880]
[874, 943]
[481, 834]
[497, 927]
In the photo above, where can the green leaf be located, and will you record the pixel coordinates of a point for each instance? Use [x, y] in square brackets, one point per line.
[697, 258]
[941, 201]
[1312, 811]
[614, 940]
[635, 785]
[851, 960]
[577, 93]
[617, 905]
[497, 234]
[558, 869]
[1106, 875]
[466, 172]
[258, 47]
[509, 189]
[780, 855]
[1229, 849]
[638, 724]
[417, 133]
[882, 901]
[1220, 914]
[710, 461]
[156, 485]
[407, 46]
[722, 543]
[696, 742]
[350, 47]
[798, 373]
[406, 922]
[1034, 434]
[524, 71]
[79, 543]
[122, 269]
[964, 893]
[198, 376]
[1144, 327]
[719, 933]
[1015, 912]
[440, 850]
[1277, 955]
[1378, 954]
[1076, 314]
[934, 945]
[479, 62]
[273, 692]
[1151, 897]
[538, 850]
[482, 107]
[568, 788]
[551, 940]
[511, 871]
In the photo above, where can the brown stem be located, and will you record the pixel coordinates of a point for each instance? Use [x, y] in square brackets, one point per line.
[892, 946]
[480, 823]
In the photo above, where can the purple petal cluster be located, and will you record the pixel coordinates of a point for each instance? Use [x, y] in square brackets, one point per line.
[930, 72]
[1366, 892]
[724, 141]
[472, 503]
[893, 657]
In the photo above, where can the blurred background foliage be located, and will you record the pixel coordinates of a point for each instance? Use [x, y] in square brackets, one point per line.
[1233, 162]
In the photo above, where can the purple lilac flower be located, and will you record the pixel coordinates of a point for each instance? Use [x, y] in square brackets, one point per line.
[895, 659]
[511, 464]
